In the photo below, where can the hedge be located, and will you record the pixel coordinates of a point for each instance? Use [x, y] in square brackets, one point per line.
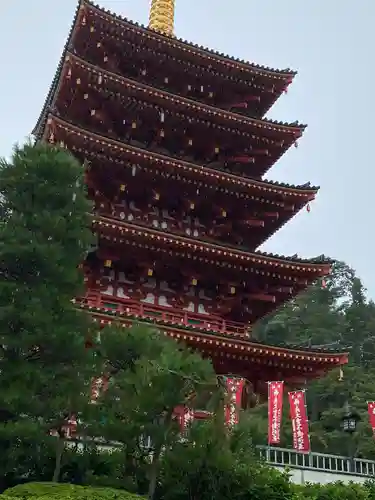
[62, 491]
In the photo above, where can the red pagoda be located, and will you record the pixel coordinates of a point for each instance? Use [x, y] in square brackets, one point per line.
[176, 146]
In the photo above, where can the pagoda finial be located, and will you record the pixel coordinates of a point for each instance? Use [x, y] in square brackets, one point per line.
[162, 16]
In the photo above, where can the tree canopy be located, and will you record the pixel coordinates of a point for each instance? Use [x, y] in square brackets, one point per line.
[44, 366]
[336, 316]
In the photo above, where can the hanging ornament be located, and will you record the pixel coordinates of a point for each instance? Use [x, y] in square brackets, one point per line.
[308, 208]
[324, 283]
[341, 374]
[194, 281]
[107, 263]
[217, 150]
[287, 83]
[150, 272]
[192, 205]
[296, 144]
[122, 187]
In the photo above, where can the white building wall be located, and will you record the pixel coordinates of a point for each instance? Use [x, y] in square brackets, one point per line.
[302, 475]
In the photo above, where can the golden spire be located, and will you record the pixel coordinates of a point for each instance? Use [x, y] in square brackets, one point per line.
[162, 16]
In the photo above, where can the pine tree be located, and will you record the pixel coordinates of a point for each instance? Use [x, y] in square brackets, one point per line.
[44, 366]
[149, 376]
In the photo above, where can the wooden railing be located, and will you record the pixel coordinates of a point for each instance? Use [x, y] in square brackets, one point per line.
[160, 314]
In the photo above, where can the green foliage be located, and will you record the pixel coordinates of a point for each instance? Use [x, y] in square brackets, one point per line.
[215, 464]
[335, 317]
[150, 376]
[335, 491]
[44, 366]
[67, 491]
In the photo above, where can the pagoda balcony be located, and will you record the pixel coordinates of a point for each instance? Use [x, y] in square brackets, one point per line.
[121, 46]
[128, 308]
[244, 286]
[229, 352]
[139, 115]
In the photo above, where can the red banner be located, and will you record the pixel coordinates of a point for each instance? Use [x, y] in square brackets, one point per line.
[234, 391]
[371, 414]
[300, 423]
[275, 409]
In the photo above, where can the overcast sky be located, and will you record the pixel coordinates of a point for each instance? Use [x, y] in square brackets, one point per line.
[330, 43]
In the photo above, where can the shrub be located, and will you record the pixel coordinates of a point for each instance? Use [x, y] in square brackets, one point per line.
[62, 491]
[334, 491]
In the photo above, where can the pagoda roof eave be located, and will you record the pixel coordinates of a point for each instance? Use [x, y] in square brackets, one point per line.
[55, 82]
[319, 265]
[244, 346]
[204, 52]
[286, 75]
[229, 117]
[303, 190]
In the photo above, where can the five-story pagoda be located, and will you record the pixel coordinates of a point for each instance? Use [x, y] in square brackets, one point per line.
[176, 146]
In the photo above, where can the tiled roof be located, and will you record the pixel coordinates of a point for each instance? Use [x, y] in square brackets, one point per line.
[251, 67]
[222, 249]
[163, 158]
[290, 349]
[208, 109]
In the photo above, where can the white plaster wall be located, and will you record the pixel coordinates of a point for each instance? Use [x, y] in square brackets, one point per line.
[301, 476]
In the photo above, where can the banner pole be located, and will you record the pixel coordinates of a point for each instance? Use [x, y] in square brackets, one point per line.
[268, 452]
